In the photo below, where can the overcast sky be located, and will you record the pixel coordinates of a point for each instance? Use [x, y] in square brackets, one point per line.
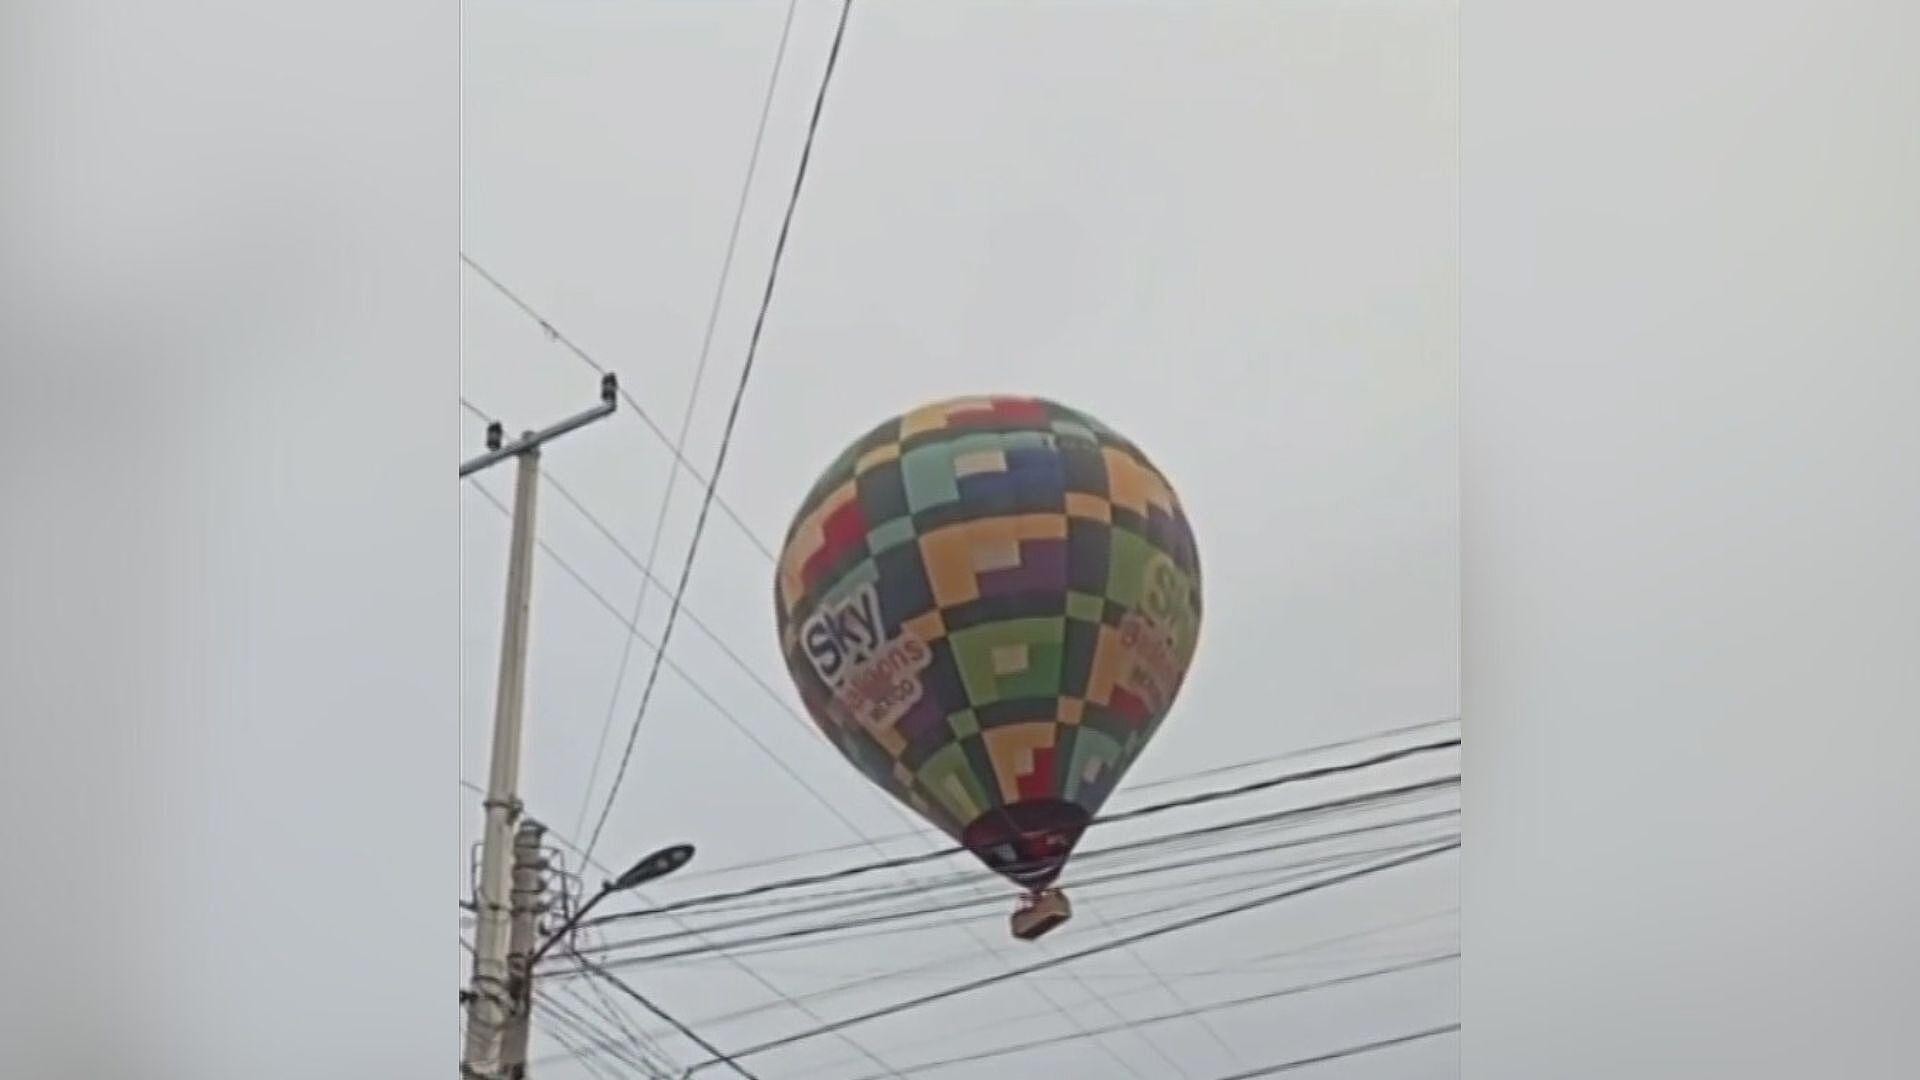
[1227, 229]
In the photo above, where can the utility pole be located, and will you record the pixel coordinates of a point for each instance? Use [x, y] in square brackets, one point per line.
[529, 904]
[490, 1000]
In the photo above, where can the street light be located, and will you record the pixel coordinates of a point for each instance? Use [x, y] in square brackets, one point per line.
[657, 865]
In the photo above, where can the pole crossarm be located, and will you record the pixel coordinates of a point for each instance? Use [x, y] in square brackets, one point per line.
[609, 400]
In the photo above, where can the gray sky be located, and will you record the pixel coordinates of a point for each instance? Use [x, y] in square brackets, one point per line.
[1228, 229]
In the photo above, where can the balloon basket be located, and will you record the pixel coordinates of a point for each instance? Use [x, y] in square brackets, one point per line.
[1040, 912]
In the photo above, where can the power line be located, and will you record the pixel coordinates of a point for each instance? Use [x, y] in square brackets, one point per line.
[1067, 958]
[580, 1053]
[1304, 866]
[833, 849]
[692, 617]
[594, 1034]
[836, 927]
[720, 1057]
[1351, 1051]
[1300, 950]
[1305, 812]
[658, 1061]
[1165, 985]
[1404, 729]
[1296, 871]
[1151, 870]
[742, 944]
[707, 696]
[604, 1008]
[733, 417]
[1275, 781]
[1193, 800]
[1172, 992]
[647, 1047]
[639, 411]
[693, 396]
[825, 928]
[1184, 1013]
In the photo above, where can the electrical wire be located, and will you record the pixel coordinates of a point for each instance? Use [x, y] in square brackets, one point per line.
[1198, 800]
[1342, 744]
[846, 931]
[1271, 782]
[645, 1046]
[729, 949]
[603, 1007]
[561, 1015]
[720, 1057]
[1141, 851]
[674, 666]
[1066, 958]
[1268, 874]
[1351, 1051]
[639, 411]
[733, 418]
[693, 396]
[840, 928]
[959, 878]
[1131, 787]
[694, 619]
[1099, 914]
[1271, 879]
[1175, 804]
[1087, 883]
[582, 1054]
[1295, 953]
[1183, 1013]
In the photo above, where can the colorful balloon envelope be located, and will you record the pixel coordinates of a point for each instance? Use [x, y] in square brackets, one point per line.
[989, 605]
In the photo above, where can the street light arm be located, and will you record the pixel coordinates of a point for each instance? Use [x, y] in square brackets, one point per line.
[659, 864]
[567, 927]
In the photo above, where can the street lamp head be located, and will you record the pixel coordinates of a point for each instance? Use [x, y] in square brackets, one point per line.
[659, 864]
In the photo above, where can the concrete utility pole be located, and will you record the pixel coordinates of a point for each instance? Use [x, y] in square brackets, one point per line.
[490, 1001]
[529, 904]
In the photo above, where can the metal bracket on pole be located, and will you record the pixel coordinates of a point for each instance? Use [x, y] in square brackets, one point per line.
[496, 453]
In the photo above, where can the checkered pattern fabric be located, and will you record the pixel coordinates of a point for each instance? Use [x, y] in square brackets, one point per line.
[1038, 601]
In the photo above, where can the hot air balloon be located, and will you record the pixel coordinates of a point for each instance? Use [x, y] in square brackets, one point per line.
[988, 605]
